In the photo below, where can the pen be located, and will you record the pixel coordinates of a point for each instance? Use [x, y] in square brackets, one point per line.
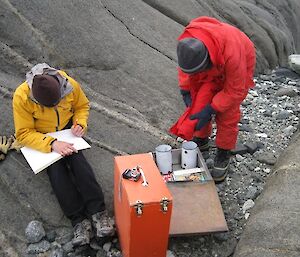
[75, 124]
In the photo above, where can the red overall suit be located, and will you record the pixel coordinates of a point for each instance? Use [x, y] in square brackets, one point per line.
[225, 85]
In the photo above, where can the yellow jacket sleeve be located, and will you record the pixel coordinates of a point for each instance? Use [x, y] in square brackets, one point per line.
[24, 125]
[81, 103]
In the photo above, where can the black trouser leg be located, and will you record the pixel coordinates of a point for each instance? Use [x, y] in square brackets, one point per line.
[86, 182]
[66, 191]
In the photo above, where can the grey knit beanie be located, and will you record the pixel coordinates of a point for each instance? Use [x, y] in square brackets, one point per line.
[192, 55]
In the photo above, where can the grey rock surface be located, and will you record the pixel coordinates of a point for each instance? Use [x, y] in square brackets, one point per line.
[124, 55]
[289, 91]
[273, 227]
[262, 20]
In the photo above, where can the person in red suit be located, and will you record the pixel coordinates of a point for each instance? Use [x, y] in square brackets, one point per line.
[216, 66]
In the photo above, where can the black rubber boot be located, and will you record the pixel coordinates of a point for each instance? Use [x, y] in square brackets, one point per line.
[221, 165]
[203, 143]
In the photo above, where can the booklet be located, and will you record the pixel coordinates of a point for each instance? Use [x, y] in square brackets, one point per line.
[38, 161]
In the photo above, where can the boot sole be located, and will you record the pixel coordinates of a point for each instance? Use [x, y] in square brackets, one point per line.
[225, 170]
[110, 234]
[85, 242]
[220, 179]
[204, 148]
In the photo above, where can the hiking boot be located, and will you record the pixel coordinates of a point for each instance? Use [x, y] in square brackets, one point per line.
[203, 143]
[103, 224]
[82, 233]
[221, 165]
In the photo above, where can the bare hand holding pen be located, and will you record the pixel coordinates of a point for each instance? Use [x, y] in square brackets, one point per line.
[63, 148]
[77, 130]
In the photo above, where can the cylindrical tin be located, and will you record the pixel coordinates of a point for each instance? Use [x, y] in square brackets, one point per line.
[189, 155]
[164, 158]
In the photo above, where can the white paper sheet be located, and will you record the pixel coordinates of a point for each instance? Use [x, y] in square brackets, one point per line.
[38, 160]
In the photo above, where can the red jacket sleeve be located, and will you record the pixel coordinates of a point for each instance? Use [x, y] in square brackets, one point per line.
[183, 80]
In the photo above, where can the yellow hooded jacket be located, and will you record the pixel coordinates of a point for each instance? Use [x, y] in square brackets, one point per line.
[32, 120]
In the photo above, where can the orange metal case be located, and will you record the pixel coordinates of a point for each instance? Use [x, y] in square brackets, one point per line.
[142, 213]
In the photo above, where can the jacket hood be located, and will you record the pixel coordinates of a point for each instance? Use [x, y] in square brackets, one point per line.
[44, 68]
[205, 29]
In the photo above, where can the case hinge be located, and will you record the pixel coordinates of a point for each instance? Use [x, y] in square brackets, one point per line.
[164, 204]
[139, 207]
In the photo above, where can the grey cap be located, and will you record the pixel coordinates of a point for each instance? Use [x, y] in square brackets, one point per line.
[192, 55]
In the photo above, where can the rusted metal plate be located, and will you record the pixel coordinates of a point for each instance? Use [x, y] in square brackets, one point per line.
[196, 209]
[196, 206]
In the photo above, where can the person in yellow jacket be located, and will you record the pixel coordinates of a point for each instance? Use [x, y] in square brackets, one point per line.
[49, 100]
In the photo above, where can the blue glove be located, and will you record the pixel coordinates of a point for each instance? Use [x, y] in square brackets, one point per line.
[186, 96]
[203, 117]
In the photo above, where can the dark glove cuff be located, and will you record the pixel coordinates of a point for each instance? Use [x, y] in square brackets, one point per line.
[184, 92]
[210, 109]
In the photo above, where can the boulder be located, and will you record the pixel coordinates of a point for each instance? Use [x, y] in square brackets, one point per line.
[294, 62]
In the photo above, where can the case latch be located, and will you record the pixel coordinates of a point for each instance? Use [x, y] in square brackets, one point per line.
[139, 207]
[164, 204]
